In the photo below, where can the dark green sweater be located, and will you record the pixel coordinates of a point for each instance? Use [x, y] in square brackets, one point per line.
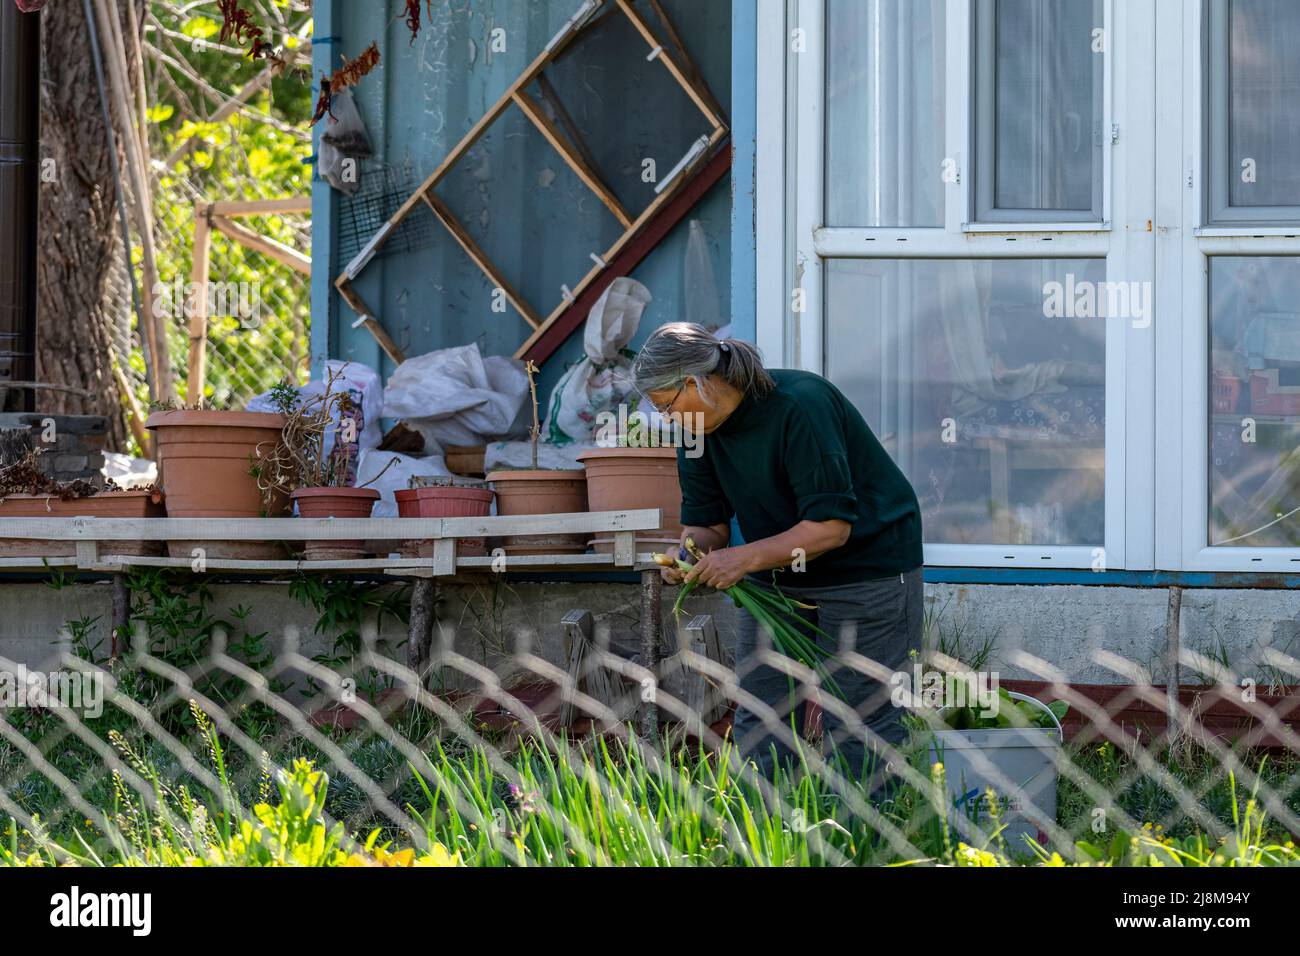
[804, 453]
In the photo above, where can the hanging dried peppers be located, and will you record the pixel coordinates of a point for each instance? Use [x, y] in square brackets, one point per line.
[349, 74]
[238, 23]
[412, 14]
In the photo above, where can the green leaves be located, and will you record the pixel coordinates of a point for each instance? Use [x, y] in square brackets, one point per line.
[1010, 713]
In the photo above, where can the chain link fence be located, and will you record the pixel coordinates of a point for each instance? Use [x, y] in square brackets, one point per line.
[196, 740]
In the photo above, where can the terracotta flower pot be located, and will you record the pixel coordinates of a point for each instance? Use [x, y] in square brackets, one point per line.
[109, 504]
[335, 503]
[629, 479]
[445, 501]
[465, 460]
[204, 459]
[541, 493]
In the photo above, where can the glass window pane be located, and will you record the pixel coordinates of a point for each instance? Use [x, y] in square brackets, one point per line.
[1255, 402]
[1039, 107]
[986, 381]
[884, 113]
[1264, 103]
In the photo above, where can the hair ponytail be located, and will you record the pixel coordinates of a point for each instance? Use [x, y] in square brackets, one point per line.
[742, 366]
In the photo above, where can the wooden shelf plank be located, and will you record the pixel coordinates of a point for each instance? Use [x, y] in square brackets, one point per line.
[322, 529]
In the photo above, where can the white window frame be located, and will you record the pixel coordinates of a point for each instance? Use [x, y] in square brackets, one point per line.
[1183, 277]
[793, 244]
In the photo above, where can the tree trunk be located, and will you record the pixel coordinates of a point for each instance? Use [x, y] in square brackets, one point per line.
[79, 242]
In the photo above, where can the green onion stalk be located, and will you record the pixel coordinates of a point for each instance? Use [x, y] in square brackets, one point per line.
[775, 612]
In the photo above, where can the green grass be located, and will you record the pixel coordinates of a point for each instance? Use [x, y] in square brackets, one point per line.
[576, 803]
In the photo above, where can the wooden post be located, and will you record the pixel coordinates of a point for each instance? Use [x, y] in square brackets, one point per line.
[420, 636]
[200, 273]
[703, 698]
[121, 613]
[577, 626]
[651, 629]
[1173, 678]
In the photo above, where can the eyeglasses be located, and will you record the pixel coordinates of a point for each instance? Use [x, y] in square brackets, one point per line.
[663, 409]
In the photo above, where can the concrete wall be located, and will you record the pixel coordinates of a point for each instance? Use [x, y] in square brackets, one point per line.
[1065, 626]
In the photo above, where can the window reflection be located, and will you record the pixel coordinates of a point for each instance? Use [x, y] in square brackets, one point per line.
[1254, 402]
[993, 408]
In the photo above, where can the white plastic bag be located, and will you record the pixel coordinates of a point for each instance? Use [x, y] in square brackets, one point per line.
[456, 397]
[127, 472]
[343, 145]
[513, 455]
[396, 478]
[702, 299]
[601, 381]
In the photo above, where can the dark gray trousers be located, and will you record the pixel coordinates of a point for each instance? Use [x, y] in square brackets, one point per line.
[880, 620]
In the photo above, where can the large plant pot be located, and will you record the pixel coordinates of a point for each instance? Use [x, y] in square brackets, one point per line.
[335, 503]
[109, 504]
[541, 493]
[204, 462]
[451, 499]
[629, 479]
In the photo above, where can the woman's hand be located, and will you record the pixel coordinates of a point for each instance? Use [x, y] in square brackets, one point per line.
[721, 569]
[673, 576]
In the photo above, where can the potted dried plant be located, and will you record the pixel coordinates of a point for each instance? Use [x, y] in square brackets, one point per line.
[537, 491]
[311, 463]
[27, 492]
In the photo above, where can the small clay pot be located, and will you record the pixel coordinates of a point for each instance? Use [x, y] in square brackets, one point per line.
[632, 479]
[460, 499]
[335, 503]
[541, 493]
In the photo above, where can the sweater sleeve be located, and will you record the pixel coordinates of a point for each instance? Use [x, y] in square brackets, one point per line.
[703, 502]
[817, 464]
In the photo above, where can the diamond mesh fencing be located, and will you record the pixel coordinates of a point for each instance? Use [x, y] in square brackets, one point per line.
[187, 738]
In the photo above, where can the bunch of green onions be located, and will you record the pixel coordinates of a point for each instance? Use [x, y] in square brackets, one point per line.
[792, 634]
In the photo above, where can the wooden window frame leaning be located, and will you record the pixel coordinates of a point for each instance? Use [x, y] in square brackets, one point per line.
[679, 66]
[221, 216]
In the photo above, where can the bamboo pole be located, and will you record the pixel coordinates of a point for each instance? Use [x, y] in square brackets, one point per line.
[268, 247]
[142, 109]
[233, 208]
[135, 414]
[116, 59]
[200, 273]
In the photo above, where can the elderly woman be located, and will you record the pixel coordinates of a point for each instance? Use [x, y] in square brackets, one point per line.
[825, 514]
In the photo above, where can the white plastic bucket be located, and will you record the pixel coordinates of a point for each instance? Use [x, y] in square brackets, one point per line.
[1023, 756]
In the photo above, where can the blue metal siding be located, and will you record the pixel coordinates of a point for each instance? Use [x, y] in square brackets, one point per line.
[417, 105]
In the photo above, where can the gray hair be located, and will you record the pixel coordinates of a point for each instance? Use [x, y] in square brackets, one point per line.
[682, 350]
